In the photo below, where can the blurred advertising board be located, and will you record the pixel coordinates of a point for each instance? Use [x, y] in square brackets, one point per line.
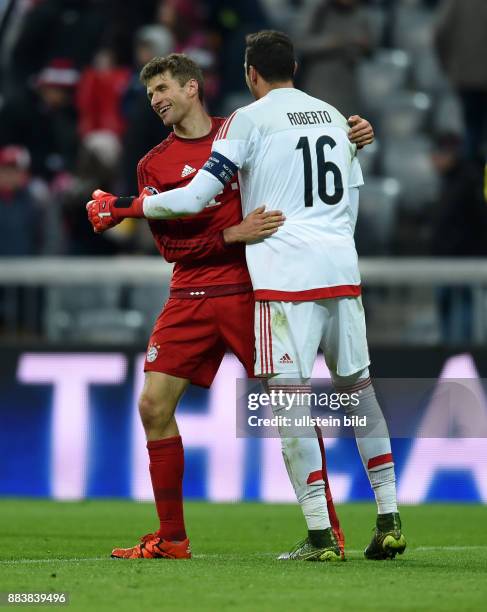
[69, 429]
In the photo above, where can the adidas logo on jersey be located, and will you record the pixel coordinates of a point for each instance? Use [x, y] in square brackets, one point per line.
[187, 170]
[285, 359]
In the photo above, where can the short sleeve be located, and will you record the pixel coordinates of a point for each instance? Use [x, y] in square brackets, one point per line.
[356, 179]
[234, 140]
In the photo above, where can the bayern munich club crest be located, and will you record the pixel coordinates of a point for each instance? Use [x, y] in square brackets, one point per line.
[152, 353]
[153, 190]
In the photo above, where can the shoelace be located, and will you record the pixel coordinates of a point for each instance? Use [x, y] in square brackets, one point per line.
[148, 537]
[299, 545]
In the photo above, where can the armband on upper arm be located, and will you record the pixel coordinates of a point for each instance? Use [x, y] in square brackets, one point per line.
[220, 167]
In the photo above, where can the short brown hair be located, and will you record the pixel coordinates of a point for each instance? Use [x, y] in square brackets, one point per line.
[180, 66]
[271, 53]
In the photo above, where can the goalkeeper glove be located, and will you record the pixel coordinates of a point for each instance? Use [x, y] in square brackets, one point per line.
[107, 210]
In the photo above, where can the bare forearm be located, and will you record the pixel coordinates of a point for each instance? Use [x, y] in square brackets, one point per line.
[257, 225]
[232, 235]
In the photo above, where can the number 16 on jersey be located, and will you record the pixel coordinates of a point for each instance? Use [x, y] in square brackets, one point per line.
[324, 167]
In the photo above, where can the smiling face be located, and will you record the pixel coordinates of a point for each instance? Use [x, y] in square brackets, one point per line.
[171, 100]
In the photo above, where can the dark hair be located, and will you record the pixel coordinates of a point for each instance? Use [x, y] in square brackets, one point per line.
[271, 53]
[180, 66]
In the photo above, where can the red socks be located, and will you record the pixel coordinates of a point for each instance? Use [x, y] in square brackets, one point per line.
[334, 520]
[166, 470]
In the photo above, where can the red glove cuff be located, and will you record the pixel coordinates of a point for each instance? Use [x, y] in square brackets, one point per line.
[128, 207]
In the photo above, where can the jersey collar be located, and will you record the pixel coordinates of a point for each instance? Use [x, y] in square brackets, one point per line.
[281, 91]
[210, 136]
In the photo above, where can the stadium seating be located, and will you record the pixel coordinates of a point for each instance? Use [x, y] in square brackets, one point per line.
[379, 201]
[369, 157]
[408, 160]
[405, 115]
[413, 26]
[381, 76]
[427, 74]
[93, 314]
[448, 114]
[148, 300]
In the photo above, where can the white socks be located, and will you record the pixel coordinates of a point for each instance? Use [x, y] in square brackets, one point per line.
[384, 485]
[374, 445]
[302, 456]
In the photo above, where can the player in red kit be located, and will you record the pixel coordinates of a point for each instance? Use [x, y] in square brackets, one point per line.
[211, 305]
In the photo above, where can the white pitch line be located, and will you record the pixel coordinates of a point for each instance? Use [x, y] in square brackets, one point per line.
[427, 548]
[84, 559]
[212, 555]
[54, 560]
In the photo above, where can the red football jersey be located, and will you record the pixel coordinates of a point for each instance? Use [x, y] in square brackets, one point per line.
[195, 244]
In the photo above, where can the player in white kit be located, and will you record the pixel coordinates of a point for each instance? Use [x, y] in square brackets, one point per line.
[292, 154]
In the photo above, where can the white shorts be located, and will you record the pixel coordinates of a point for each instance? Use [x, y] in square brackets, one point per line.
[289, 334]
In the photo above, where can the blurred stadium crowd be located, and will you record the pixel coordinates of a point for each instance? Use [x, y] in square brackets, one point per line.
[73, 115]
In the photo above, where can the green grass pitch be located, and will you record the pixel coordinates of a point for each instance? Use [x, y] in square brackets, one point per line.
[49, 546]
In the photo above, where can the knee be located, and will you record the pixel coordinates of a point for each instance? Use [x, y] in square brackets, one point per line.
[354, 384]
[345, 382]
[154, 411]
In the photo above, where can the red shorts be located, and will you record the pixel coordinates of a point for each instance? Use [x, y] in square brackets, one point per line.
[191, 336]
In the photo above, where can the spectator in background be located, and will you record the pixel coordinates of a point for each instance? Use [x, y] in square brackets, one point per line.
[231, 21]
[96, 166]
[20, 207]
[144, 128]
[74, 29]
[460, 220]
[459, 229]
[71, 29]
[99, 95]
[186, 20]
[336, 39]
[461, 44]
[44, 120]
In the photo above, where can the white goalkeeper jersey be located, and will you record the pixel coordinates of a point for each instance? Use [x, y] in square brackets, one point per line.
[293, 154]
